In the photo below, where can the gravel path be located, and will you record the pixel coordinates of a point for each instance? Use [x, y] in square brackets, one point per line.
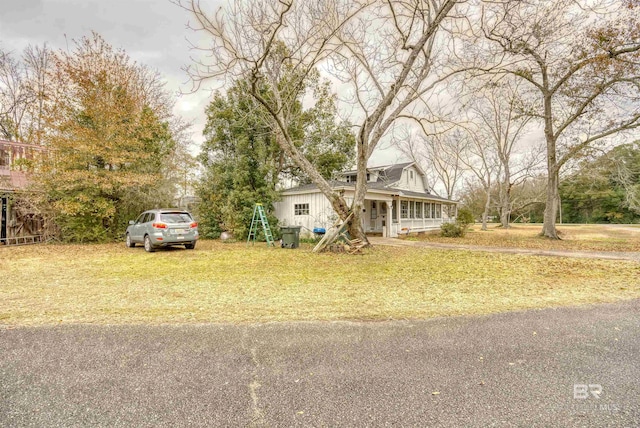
[604, 255]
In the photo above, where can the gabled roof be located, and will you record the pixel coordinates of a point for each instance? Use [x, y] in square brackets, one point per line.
[388, 174]
[379, 186]
[385, 168]
[335, 184]
[393, 173]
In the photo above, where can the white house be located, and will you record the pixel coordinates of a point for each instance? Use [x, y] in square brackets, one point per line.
[397, 201]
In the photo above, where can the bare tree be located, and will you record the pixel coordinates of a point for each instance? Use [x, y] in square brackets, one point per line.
[13, 99]
[22, 94]
[482, 159]
[440, 155]
[381, 51]
[582, 74]
[496, 119]
[526, 196]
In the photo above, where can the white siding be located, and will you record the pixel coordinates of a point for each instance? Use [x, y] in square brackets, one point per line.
[321, 213]
[412, 180]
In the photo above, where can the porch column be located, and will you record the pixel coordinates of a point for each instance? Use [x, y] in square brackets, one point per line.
[388, 219]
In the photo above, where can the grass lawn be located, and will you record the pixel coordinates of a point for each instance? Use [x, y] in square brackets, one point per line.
[591, 237]
[110, 284]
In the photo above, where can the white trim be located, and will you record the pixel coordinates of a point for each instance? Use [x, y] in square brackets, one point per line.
[308, 191]
[390, 193]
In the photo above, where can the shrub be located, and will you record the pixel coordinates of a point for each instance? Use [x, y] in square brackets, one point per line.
[465, 217]
[459, 228]
[453, 230]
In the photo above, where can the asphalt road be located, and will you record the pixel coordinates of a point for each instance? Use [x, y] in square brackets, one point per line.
[515, 369]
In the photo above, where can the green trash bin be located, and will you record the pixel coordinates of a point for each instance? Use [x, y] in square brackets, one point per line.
[290, 236]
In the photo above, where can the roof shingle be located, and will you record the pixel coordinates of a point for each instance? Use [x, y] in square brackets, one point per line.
[373, 185]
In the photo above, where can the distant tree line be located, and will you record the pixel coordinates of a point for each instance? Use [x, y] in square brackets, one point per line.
[604, 189]
[601, 188]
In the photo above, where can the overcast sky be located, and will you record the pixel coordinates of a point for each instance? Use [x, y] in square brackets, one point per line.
[152, 32]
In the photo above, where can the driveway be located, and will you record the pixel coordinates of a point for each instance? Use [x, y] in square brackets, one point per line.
[564, 367]
[603, 255]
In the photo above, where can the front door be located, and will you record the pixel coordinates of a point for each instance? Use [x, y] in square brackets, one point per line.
[378, 216]
[374, 214]
[383, 209]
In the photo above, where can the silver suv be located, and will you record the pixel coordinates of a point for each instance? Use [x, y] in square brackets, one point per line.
[163, 228]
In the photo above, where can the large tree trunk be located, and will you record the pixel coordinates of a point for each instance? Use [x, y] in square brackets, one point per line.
[505, 198]
[338, 203]
[487, 206]
[505, 215]
[551, 208]
[355, 227]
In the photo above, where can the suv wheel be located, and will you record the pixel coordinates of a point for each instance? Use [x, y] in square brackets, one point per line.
[148, 247]
[190, 246]
[130, 243]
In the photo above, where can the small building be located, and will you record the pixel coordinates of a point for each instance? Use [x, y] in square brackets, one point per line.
[397, 202]
[18, 224]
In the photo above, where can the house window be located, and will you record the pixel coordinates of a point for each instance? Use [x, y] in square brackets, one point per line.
[394, 213]
[368, 177]
[301, 209]
[411, 176]
[404, 209]
[412, 209]
[438, 213]
[418, 209]
[374, 210]
[427, 210]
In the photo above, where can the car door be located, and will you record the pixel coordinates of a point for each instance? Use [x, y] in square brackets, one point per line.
[137, 231]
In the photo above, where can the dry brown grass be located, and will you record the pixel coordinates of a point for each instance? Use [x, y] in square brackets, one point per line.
[109, 284]
[608, 238]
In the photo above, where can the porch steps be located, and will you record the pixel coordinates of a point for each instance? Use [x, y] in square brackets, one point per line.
[259, 216]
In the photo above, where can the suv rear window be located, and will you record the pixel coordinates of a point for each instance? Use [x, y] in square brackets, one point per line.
[175, 217]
